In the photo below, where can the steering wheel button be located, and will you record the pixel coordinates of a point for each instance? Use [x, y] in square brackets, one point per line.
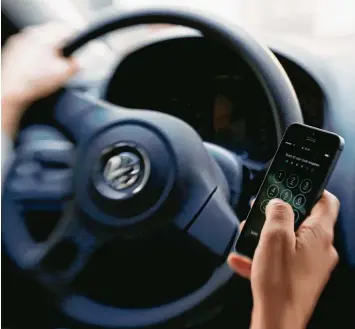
[57, 175]
[61, 157]
[28, 168]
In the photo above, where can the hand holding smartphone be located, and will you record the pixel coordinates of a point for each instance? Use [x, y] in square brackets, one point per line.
[297, 175]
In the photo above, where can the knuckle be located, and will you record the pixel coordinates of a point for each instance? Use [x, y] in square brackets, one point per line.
[335, 201]
[13, 39]
[332, 200]
[334, 256]
[308, 232]
[29, 30]
[328, 237]
[319, 233]
[276, 234]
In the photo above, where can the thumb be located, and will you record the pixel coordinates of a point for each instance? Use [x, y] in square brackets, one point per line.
[278, 230]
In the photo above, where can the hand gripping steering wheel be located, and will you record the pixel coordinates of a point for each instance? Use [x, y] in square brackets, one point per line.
[133, 170]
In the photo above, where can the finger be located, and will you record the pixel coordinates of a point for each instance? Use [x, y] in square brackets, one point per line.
[241, 225]
[252, 202]
[326, 210]
[50, 29]
[278, 229]
[64, 69]
[320, 223]
[240, 264]
[52, 34]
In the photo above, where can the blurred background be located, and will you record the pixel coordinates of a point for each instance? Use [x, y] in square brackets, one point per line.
[325, 26]
[327, 21]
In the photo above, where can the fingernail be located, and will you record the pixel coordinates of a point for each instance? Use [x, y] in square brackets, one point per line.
[275, 201]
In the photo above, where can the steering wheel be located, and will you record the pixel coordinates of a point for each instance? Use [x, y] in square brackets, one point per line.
[132, 171]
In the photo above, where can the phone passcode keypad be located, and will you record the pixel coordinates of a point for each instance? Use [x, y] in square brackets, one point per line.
[306, 186]
[289, 187]
[263, 205]
[273, 191]
[299, 201]
[292, 181]
[279, 176]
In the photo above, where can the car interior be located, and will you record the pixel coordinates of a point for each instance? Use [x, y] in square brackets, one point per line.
[200, 115]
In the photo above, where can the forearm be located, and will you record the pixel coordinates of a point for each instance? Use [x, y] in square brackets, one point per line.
[11, 112]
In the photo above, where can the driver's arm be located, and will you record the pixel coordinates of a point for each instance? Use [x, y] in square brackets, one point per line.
[31, 68]
[290, 270]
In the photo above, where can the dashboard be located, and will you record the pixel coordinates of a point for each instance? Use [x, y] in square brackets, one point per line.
[204, 84]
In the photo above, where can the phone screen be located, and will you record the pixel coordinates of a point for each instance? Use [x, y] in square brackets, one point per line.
[297, 175]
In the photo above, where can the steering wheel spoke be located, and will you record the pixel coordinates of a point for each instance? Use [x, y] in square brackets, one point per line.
[36, 194]
[57, 261]
[67, 251]
[81, 114]
[42, 175]
[215, 227]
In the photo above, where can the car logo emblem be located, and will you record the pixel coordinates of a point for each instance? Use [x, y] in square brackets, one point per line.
[123, 170]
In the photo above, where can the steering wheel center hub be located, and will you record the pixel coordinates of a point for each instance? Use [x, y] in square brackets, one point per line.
[129, 171]
[122, 171]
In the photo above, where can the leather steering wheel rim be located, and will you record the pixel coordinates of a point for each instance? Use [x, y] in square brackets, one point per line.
[285, 110]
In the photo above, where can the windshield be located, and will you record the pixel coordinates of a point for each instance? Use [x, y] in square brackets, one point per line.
[312, 18]
[327, 25]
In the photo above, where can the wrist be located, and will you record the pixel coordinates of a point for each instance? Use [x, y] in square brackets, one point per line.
[285, 318]
[12, 109]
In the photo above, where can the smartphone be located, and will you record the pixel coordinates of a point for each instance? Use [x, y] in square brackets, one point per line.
[297, 175]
